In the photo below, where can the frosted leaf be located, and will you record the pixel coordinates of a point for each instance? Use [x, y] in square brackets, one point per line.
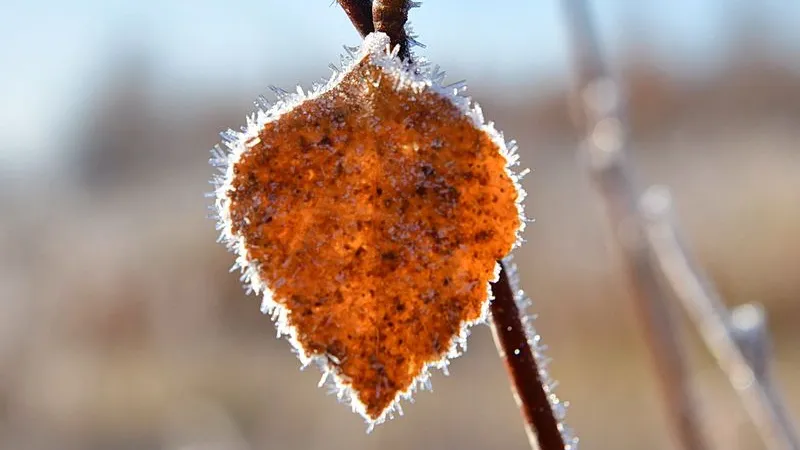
[369, 213]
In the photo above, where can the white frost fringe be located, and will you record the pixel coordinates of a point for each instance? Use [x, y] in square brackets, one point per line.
[417, 76]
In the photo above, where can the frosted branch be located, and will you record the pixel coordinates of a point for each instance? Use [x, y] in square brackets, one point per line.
[518, 344]
[390, 17]
[360, 14]
[387, 16]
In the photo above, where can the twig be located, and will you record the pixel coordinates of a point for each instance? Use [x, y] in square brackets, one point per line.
[749, 327]
[606, 147]
[529, 382]
[390, 17]
[705, 307]
[656, 250]
[360, 13]
[386, 16]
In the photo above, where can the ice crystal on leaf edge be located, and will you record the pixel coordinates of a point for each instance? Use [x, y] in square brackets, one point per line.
[417, 76]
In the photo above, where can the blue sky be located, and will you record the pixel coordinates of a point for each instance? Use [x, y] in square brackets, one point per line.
[53, 51]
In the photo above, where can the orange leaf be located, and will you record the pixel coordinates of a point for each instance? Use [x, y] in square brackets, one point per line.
[370, 214]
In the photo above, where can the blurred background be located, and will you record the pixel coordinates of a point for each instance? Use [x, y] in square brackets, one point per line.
[121, 328]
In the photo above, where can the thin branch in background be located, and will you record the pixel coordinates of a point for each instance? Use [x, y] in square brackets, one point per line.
[718, 328]
[517, 344]
[360, 13]
[654, 251]
[606, 146]
[749, 328]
